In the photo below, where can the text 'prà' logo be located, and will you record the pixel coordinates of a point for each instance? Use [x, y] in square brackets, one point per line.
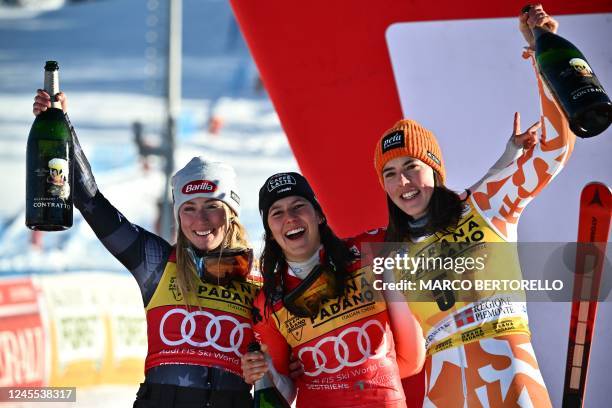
[392, 141]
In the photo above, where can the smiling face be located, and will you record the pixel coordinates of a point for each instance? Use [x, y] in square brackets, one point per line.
[203, 222]
[294, 223]
[410, 184]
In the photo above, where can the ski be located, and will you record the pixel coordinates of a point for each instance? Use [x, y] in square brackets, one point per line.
[593, 231]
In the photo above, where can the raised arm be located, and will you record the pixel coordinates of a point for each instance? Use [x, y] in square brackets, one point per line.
[514, 149]
[503, 196]
[141, 252]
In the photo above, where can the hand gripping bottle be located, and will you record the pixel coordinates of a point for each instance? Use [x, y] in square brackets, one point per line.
[266, 394]
[573, 84]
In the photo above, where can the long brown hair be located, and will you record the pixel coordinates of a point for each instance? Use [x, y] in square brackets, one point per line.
[273, 262]
[444, 212]
[186, 275]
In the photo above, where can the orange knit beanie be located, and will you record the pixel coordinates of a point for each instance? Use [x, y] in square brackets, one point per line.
[408, 138]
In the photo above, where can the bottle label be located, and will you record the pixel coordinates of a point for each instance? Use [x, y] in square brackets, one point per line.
[57, 180]
[53, 176]
[42, 202]
[578, 67]
[585, 90]
[573, 81]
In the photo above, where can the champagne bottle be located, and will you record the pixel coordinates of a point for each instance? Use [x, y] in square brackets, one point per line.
[49, 165]
[266, 394]
[573, 84]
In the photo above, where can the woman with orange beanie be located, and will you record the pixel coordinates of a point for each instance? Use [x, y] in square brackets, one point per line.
[478, 344]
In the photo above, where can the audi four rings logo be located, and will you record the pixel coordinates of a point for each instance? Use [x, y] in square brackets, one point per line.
[343, 352]
[212, 331]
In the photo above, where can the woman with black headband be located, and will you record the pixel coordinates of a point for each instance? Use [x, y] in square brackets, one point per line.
[318, 304]
[196, 295]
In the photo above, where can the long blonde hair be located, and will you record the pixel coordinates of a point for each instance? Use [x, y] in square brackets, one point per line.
[186, 274]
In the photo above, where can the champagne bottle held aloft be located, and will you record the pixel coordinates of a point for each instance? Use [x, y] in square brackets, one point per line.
[49, 164]
[266, 395]
[573, 84]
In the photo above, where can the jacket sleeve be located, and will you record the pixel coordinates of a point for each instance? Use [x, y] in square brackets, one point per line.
[407, 332]
[278, 351]
[510, 154]
[266, 332]
[407, 335]
[502, 197]
[144, 254]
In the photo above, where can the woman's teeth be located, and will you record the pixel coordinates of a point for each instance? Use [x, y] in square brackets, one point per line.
[294, 232]
[203, 233]
[410, 194]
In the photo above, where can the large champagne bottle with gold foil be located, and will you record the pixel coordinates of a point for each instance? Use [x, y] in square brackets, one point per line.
[49, 164]
[573, 83]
